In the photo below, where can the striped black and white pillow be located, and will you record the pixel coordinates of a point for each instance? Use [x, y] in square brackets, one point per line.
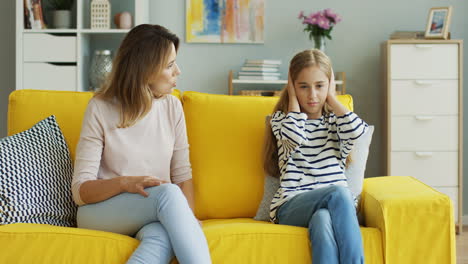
[35, 177]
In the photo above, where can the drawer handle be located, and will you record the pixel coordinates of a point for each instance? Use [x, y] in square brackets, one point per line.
[424, 118]
[424, 154]
[420, 82]
[423, 46]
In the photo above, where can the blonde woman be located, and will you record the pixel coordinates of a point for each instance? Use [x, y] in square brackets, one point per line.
[307, 146]
[132, 171]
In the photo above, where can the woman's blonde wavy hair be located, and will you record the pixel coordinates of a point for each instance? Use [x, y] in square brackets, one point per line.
[302, 60]
[141, 56]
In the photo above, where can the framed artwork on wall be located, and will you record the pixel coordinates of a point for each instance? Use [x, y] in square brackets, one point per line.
[225, 21]
[438, 23]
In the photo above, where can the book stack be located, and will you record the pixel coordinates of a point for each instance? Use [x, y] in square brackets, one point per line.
[267, 70]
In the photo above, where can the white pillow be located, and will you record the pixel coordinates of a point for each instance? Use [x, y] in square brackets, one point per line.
[355, 170]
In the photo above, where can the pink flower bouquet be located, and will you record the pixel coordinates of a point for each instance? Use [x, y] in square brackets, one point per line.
[319, 24]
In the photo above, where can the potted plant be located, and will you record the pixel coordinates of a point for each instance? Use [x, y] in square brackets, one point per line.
[319, 26]
[61, 13]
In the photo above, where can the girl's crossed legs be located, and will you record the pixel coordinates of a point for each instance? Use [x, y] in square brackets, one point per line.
[330, 216]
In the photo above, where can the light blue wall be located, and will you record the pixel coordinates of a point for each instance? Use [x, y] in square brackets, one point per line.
[355, 49]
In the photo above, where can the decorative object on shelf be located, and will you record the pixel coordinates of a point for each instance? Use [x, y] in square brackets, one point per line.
[101, 66]
[319, 26]
[100, 14]
[225, 21]
[438, 23]
[33, 17]
[61, 13]
[123, 20]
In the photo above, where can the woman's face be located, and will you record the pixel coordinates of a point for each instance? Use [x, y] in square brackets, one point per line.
[311, 86]
[164, 82]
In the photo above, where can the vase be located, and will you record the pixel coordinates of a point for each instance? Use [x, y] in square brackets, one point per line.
[61, 18]
[319, 43]
[101, 66]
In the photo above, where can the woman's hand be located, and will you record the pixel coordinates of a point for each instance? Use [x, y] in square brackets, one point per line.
[293, 102]
[137, 184]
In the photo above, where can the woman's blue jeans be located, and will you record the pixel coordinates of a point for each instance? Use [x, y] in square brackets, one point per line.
[330, 216]
[163, 222]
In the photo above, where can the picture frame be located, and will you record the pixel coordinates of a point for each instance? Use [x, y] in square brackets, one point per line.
[438, 23]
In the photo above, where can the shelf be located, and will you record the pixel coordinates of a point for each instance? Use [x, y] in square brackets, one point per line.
[339, 82]
[104, 31]
[260, 81]
[57, 31]
[84, 31]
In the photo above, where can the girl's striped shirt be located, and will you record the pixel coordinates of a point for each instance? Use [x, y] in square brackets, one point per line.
[312, 152]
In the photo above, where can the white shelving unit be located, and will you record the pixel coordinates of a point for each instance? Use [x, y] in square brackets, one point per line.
[59, 59]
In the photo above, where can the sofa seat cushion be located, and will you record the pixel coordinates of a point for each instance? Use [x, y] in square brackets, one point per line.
[244, 240]
[38, 243]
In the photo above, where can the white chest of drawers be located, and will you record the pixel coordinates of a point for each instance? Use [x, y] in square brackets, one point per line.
[424, 113]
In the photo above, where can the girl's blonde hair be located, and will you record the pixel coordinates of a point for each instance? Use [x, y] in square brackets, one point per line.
[142, 55]
[302, 60]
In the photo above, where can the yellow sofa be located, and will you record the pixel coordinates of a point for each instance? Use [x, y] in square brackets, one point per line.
[406, 221]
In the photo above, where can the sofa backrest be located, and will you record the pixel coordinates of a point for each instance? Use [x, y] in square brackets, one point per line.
[226, 139]
[27, 107]
[225, 135]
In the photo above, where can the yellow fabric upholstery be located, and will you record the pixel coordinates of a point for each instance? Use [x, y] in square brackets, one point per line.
[226, 137]
[416, 221]
[36, 243]
[27, 107]
[233, 241]
[406, 221]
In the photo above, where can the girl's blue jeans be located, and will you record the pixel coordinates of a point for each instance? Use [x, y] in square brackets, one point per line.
[163, 222]
[330, 216]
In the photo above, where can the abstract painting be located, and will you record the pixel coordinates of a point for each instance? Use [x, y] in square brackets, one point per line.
[225, 21]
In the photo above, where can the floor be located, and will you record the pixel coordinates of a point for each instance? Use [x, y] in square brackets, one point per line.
[462, 247]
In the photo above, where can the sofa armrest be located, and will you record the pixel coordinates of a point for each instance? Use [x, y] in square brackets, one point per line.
[416, 221]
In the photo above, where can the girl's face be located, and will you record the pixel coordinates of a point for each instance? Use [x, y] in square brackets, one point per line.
[311, 86]
[164, 82]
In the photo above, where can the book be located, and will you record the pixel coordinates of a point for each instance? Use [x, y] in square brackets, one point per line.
[407, 35]
[28, 15]
[261, 65]
[38, 21]
[259, 69]
[260, 73]
[275, 62]
[265, 78]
